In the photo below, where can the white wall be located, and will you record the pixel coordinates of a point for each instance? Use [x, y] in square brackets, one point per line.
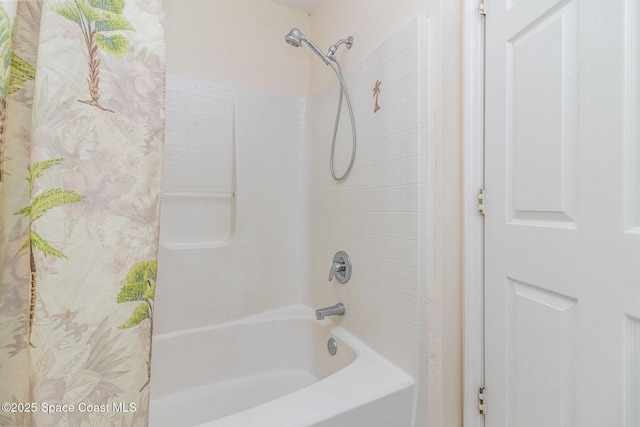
[238, 42]
[370, 22]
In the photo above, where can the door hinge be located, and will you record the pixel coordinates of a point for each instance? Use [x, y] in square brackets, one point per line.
[480, 201]
[481, 400]
[481, 8]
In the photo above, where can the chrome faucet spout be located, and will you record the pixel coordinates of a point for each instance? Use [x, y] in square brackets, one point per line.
[335, 310]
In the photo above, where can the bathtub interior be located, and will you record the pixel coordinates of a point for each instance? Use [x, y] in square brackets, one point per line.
[273, 369]
[229, 352]
[209, 373]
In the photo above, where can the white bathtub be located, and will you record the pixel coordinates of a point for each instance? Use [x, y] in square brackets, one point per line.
[274, 370]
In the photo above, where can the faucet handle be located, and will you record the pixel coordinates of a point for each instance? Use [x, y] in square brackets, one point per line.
[341, 267]
[336, 267]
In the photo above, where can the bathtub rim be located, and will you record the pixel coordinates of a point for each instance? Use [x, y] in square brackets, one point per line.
[292, 312]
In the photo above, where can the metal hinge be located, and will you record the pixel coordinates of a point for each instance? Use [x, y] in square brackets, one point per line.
[481, 400]
[480, 201]
[481, 8]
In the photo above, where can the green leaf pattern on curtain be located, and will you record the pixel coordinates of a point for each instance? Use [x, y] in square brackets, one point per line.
[40, 204]
[5, 76]
[5, 52]
[94, 18]
[14, 71]
[140, 285]
[79, 205]
[21, 71]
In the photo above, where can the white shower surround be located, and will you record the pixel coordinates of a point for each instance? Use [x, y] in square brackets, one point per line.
[292, 217]
[378, 214]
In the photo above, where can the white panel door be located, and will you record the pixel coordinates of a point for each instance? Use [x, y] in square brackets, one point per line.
[562, 204]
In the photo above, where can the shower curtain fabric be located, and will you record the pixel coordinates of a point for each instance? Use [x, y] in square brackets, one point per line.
[81, 135]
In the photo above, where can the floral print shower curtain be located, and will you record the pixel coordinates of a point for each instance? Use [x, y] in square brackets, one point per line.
[81, 135]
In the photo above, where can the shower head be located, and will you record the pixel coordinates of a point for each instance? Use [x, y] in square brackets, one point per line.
[295, 38]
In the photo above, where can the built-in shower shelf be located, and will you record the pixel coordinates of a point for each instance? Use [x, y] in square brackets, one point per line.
[197, 219]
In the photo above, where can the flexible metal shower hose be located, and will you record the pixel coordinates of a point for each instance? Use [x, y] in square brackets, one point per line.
[343, 90]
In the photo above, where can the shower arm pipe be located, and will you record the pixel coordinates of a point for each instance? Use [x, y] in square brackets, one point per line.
[334, 47]
[343, 90]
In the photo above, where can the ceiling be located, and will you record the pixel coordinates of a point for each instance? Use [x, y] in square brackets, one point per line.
[304, 6]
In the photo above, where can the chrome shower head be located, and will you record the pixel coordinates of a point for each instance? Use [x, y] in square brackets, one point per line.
[295, 38]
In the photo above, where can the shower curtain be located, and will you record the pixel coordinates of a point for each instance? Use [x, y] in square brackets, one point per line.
[81, 134]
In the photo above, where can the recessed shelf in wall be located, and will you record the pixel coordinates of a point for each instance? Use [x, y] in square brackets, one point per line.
[197, 220]
[202, 158]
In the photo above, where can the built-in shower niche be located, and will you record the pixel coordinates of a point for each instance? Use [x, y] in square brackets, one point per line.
[195, 220]
[199, 188]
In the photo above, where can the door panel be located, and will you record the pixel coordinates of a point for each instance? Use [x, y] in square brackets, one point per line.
[556, 324]
[541, 88]
[562, 221]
